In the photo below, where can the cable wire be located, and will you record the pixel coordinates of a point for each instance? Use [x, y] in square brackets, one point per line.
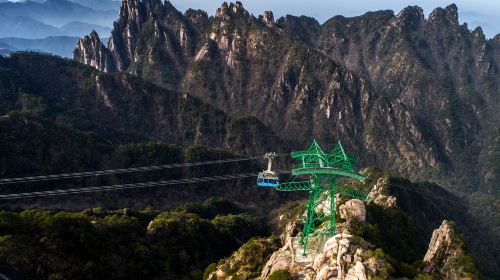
[124, 186]
[430, 195]
[115, 171]
[40, 178]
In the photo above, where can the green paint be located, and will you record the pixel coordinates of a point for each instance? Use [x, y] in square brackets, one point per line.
[323, 170]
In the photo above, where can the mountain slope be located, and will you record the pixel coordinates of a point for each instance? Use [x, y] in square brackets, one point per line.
[417, 96]
[121, 107]
[295, 76]
[434, 67]
[60, 116]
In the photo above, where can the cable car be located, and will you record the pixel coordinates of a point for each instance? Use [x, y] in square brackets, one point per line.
[264, 180]
[268, 178]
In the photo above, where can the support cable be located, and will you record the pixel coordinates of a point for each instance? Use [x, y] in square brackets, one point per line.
[117, 171]
[431, 195]
[40, 178]
[124, 186]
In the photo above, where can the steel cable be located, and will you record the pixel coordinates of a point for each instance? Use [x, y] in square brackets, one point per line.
[115, 171]
[51, 177]
[124, 186]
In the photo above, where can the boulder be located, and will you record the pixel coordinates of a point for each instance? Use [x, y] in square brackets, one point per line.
[353, 209]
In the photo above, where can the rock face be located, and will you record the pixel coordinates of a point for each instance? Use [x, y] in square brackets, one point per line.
[124, 107]
[446, 257]
[421, 90]
[415, 95]
[353, 209]
[91, 51]
[379, 194]
[342, 257]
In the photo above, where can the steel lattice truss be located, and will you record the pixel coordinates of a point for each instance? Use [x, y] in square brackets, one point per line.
[322, 171]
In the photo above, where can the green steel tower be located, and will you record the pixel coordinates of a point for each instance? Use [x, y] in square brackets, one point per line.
[320, 171]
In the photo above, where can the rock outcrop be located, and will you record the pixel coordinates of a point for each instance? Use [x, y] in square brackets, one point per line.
[352, 254]
[342, 257]
[380, 194]
[353, 209]
[91, 51]
[446, 257]
[245, 263]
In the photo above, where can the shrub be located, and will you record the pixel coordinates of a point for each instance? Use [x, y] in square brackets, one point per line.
[280, 274]
[210, 268]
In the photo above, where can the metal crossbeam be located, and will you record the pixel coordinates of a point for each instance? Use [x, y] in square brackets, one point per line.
[328, 170]
[353, 193]
[294, 186]
[323, 169]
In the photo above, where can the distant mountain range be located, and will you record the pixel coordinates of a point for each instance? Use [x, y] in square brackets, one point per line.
[26, 27]
[53, 25]
[58, 12]
[5, 49]
[60, 45]
[94, 4]
[100, 4]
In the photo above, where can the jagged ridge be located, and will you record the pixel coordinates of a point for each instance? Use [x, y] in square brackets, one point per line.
[415, 95]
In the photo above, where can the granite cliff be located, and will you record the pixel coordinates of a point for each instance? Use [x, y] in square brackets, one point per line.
[413, 94]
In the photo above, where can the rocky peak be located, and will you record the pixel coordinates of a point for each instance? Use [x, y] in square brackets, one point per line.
[446, 257]
[447, 15]
[227, 12]
[410, 18]
[478, 34]
[91, 51]
[452, 13]
[198, 17]
[139, 11]
[379, 194]
[223, 10]
[93, 36]
[237, 7]
[441, 242]
[342, 256]
[268, 18]
[496, 39]
[131, 11]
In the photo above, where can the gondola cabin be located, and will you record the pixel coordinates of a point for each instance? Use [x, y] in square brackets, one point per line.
[268, 180]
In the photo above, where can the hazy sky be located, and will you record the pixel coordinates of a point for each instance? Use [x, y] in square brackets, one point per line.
[485, 13]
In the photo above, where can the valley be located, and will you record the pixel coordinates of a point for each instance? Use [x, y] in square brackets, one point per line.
[415, 98]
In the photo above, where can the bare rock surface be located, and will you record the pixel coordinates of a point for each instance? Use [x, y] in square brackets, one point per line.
[353, 209]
